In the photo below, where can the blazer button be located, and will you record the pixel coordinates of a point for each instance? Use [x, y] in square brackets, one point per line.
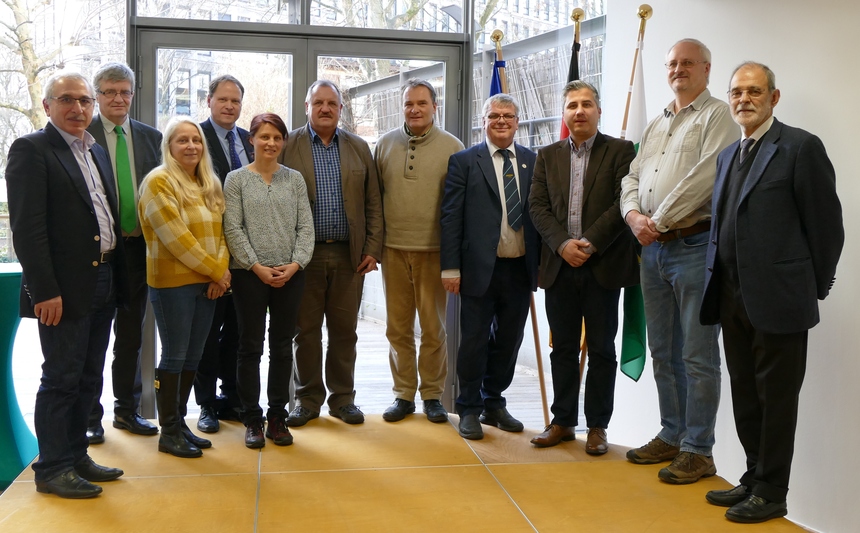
[710, 269]
[95, 263]
[97, 238]
[714, 242]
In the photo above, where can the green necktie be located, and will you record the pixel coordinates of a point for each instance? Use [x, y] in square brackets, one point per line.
[127, 215]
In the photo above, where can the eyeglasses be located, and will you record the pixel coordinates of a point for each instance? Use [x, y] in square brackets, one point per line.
[507, 117]
[67, 101]
[111, 94]
[686, 63]
[752, 92]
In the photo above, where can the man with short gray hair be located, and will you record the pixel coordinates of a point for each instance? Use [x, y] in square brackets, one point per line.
[489, 255]
[666, 201]
[66, 231]
[412, 164]
[134, 150]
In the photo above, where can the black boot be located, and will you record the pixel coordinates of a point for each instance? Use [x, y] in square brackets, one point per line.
[186, 383]
[171, 440]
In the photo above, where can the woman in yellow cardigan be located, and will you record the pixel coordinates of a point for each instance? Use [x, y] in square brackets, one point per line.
[181, 205]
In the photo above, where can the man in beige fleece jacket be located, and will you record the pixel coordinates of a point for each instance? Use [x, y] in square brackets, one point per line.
[412, 162]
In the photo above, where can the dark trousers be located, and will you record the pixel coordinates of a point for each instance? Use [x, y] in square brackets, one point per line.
[128, 334]
[575, 295]
[74, 352]
[491, 332]
[332, 291]
[252, 298]
[219, 357]
[766, 372]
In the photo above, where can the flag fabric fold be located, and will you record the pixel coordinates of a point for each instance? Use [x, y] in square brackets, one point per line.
[496, 81]
[572, 75]
[633, 335]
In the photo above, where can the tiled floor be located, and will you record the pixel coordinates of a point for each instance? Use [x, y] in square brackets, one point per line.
[377, 477]
[410, 476]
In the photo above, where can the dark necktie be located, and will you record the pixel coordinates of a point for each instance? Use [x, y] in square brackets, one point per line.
[235, 162]
[512, 196]
[127, 208]
[745, 148]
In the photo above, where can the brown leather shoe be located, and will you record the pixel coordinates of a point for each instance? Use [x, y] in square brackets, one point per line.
[595, 444]
[552, 435]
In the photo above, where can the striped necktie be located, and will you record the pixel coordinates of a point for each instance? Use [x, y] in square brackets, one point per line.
[512, 196]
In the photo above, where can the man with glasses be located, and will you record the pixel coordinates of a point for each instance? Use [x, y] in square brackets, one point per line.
[489, 255]
[666, 201]
[412, 162]
[66, 230]
[230, 149]
[134, 150]
[775, 181]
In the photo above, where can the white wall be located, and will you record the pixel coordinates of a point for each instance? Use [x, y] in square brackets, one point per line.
[811, 48]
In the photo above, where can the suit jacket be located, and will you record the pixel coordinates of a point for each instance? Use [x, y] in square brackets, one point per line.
[472, 217]
[145, 140]
[54, 225]
[789, 232]
[220, 160]
[361, 198]
[615, 264]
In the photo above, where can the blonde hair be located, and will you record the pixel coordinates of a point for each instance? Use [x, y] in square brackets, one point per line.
[208, 184]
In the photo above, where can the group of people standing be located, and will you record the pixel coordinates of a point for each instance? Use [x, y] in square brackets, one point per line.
[742, 234]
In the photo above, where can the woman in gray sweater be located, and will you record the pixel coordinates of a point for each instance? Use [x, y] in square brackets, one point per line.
[269, 229]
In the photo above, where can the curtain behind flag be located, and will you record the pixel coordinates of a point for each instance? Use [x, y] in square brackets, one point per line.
[633, 328]
[572, 75]
[496, 81]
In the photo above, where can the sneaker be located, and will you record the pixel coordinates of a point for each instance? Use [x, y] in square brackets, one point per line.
[301, 416]
[349, 413]
[254, 435]
[656, 451]
[687, 468]
[435, 412]
[398, 410]
[277, 430]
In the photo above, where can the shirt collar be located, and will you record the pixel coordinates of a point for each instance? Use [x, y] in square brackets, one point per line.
[583, 146]
[110, 126]
[88, 140]
[410, 134]
[695, 104]
[760, 131]
[315, 136]
[221, 132]
[493, 148]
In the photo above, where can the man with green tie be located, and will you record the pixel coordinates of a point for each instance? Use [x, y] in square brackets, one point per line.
[134, 149]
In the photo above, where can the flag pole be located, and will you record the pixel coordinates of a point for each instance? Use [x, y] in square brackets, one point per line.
[644, 14]
[497, 37]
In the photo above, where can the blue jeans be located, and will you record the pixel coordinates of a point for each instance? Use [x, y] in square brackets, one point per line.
[74, 353]
[183, 316]
[686, 354]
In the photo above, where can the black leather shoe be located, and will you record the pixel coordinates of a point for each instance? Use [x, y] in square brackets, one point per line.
[96, 434]
[208, 421]
[502, 419]
[435, 411]
[134, 423]
[200, 442]
[398, 410]
[69, 485]
[470, 427]
[254, 437]
[756, 509]
[89, 470]
[729, 497]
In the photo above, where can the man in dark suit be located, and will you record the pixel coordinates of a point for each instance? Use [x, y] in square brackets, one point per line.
[775, 240]
[230, 149]
[344, 195]
[134, 150]
[65, 224]
[588, 255]
[489, 255]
